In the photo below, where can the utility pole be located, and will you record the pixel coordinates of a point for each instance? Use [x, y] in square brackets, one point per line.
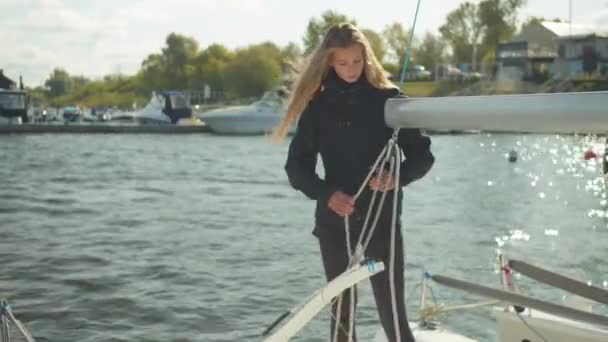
[570, 17]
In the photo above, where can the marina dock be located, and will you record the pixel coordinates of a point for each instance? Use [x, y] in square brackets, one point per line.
[101, 128]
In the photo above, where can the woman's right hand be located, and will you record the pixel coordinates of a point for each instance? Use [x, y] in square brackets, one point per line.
[341, 203]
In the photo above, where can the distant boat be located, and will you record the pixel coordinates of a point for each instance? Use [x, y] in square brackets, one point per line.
[13, 102]
[257, 118]
[165, 107]
[72, 114]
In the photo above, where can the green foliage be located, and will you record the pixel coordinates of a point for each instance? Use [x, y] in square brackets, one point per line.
[537, 20]
[474, 31]
[431, 52]
[252, 71]
[58, 83]
[499, 19]
[317, 27]
[397, 40]
[419, 89]
[376, 43]
[177, 56]
[37, 96]
[115, 90]
[393, 69]
[462, 31]
[291, 52]
[209, 67]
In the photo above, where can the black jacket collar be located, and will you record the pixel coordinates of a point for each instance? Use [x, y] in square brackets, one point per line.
[332, 82]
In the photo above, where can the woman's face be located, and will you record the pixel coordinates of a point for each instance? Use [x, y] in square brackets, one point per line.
[348, 62]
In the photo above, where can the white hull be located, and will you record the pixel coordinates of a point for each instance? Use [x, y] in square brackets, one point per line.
[10, 120]
[429, 336]
[258, 118]
[152, 113]
[511, 328]
[242, 124]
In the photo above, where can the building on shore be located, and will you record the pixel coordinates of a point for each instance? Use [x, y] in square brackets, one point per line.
[553, 49]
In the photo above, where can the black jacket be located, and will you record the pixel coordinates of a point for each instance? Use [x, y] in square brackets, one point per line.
[344, 124]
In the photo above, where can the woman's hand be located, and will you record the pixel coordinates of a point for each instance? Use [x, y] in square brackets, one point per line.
[385, 183]
[341, 203]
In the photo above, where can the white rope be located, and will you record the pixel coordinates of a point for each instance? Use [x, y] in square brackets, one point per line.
[391, 153]
[360, 248]
[358, 255]
[380, 205]
[337, 319]
[391, 267]
[351, 320]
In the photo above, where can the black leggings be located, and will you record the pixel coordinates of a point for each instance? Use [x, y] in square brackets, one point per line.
[335, 261]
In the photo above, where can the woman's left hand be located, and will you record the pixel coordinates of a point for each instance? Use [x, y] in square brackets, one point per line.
[385, 183]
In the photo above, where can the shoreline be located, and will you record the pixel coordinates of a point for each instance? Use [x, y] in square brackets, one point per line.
[28, 128]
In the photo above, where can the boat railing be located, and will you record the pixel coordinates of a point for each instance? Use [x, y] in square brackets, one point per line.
[11, 329]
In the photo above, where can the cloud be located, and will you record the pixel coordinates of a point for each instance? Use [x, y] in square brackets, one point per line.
[601, 18]
[57, 19]
[44, 34]
[96, 39]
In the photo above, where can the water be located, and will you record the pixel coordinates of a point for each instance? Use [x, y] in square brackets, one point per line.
[200, 238]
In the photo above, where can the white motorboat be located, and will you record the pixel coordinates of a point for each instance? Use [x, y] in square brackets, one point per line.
[72, 114]
[166, 107]
[257, 118]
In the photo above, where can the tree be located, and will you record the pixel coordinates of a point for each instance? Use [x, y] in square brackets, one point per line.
[173, 68]
[210, 65]
[376, 43]
[58, 83]
[291, 52]
[431, 51]
[537, 20]
[152, 74]
[269, 50]
[252, 72]
[462, 31]
[498, 18]
[178, 56]
[216, 51]
[397, 40]
[37, 96]
[317, 28]
[78, 82]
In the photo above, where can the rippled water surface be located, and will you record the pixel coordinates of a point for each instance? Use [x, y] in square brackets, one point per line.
[200, 238]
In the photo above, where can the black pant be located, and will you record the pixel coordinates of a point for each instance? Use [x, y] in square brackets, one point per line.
[335, 261]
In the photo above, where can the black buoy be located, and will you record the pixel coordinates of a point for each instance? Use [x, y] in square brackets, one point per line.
[605, 160]
[512, 156]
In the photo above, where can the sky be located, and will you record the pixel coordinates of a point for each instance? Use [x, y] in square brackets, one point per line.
[96, 38]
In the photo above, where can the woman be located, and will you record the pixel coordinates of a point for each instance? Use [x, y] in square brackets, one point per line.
[341, 94]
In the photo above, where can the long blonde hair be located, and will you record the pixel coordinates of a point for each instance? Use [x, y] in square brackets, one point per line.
[317, 66]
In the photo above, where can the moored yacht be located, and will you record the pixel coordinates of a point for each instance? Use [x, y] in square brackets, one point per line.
[72, 114]
[13, 101]
[166, 107]
[257, 118]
